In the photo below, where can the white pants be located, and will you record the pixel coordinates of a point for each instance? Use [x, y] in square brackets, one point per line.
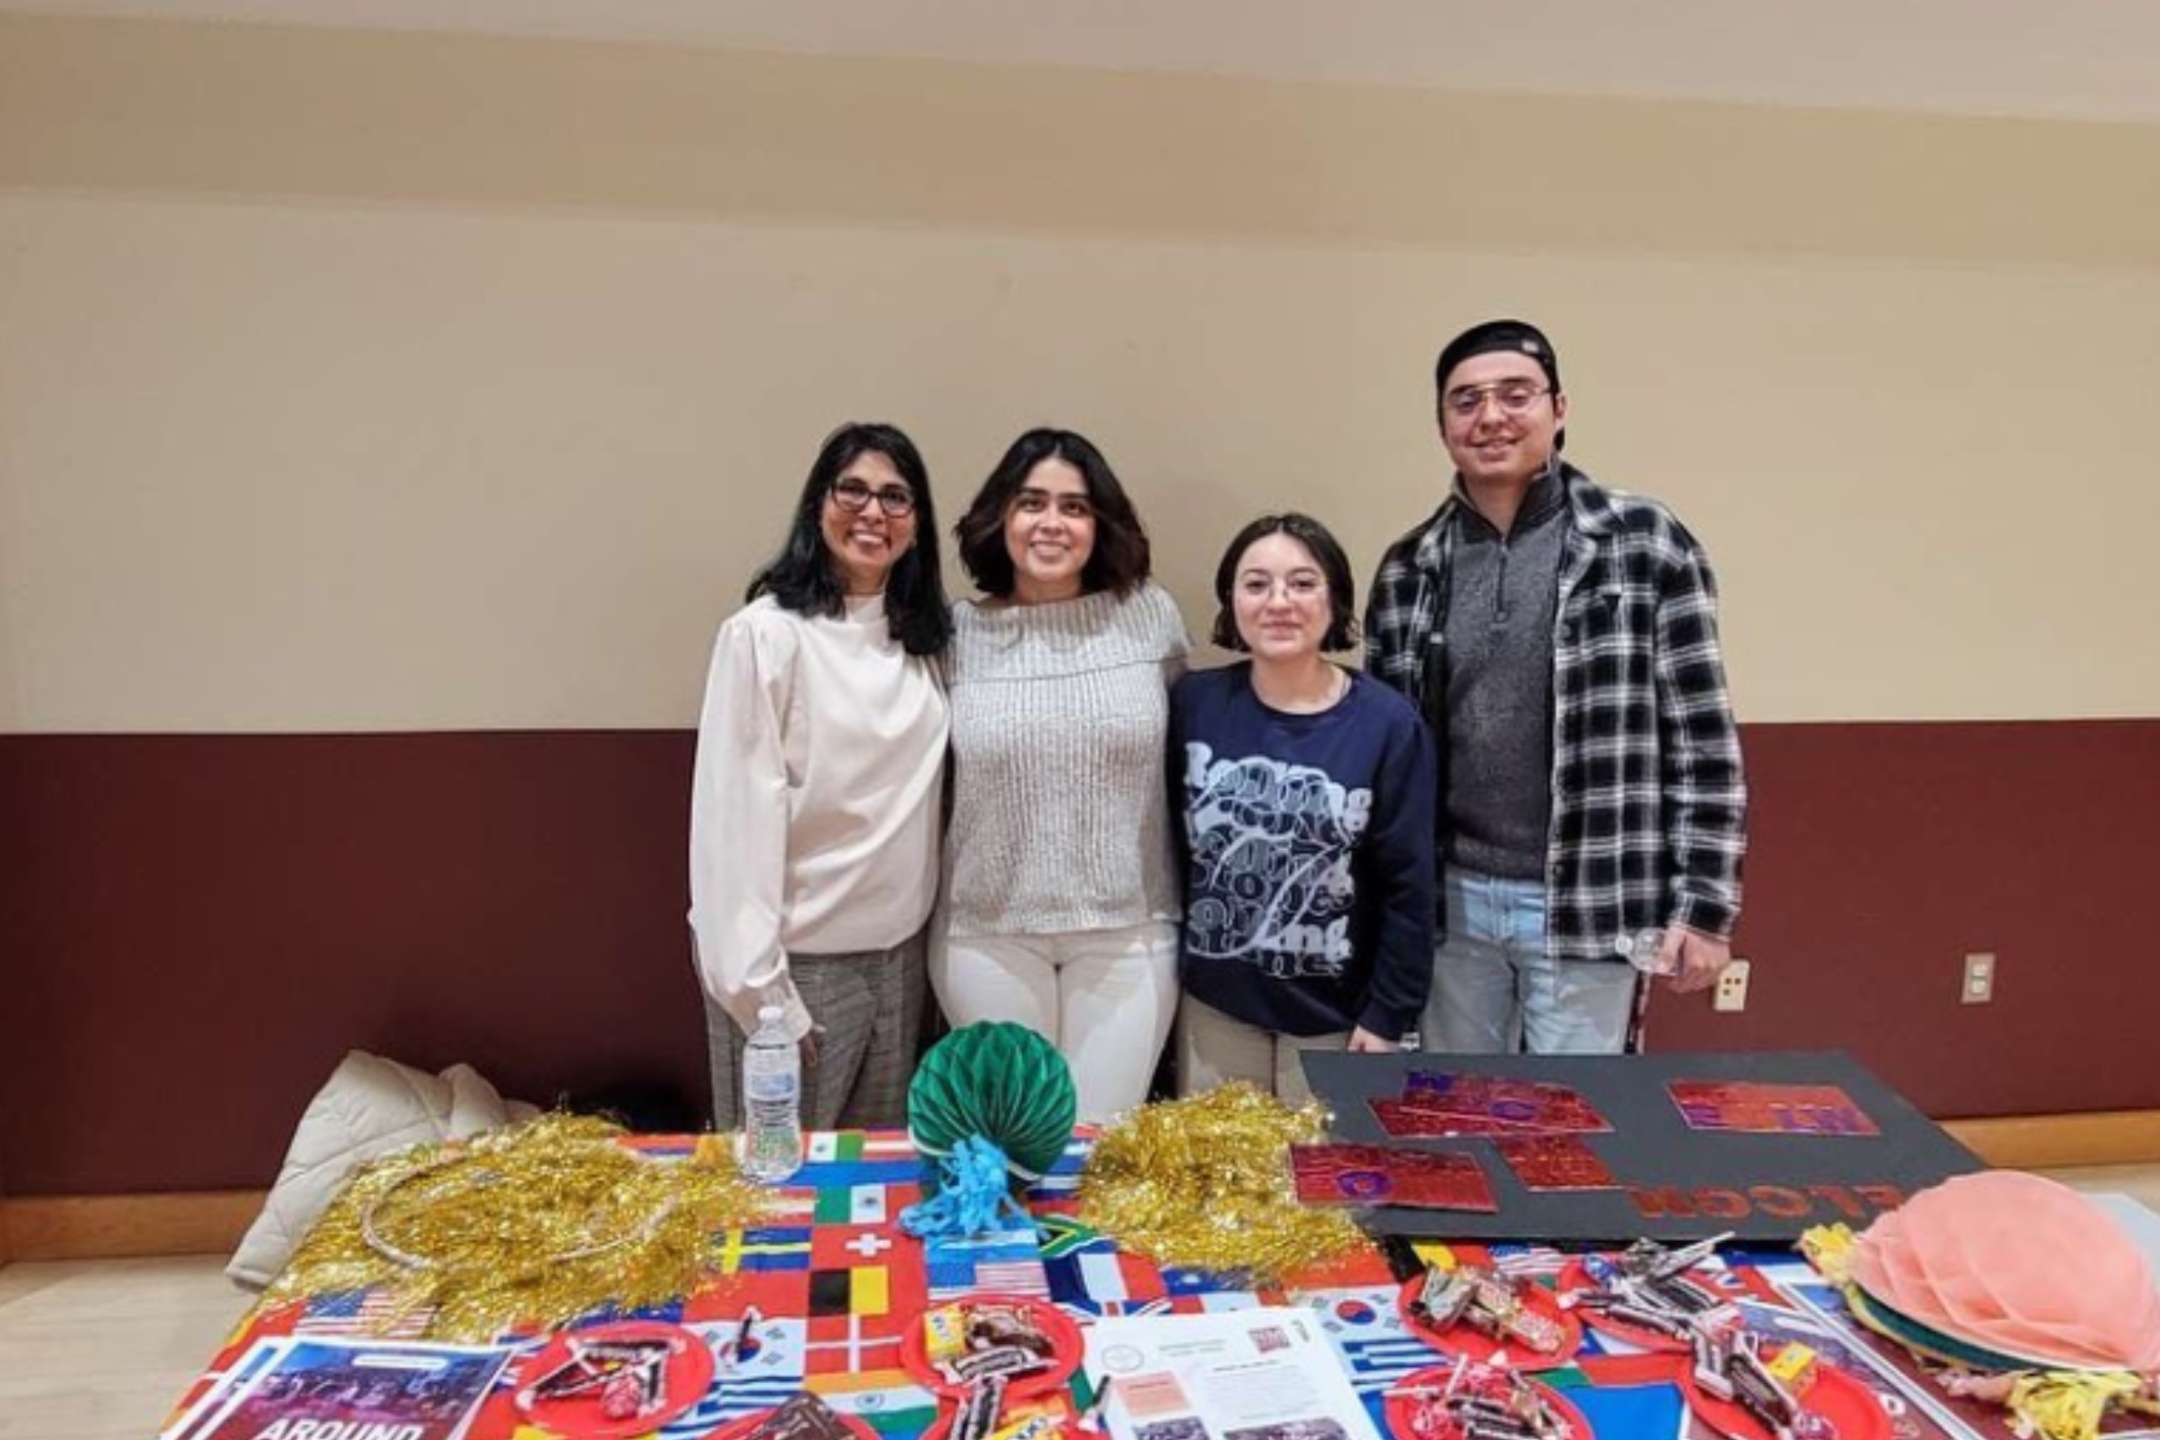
[1214, 1047]
[1103, 997]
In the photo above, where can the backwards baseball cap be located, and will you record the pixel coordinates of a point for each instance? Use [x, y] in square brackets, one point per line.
[1517, 337]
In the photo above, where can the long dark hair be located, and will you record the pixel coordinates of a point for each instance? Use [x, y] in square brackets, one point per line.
[1120, 559]
[802, 577]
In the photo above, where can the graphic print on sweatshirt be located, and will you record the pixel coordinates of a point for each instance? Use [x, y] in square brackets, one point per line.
[1271, 847]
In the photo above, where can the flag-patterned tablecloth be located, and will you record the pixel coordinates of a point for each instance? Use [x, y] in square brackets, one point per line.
[838, 1283]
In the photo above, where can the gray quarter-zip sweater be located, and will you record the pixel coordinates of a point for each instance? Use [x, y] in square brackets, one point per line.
[1503, 594]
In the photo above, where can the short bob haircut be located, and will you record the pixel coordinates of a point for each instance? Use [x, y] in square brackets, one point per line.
[1120, 560]
[1342, 631]
[803, 578]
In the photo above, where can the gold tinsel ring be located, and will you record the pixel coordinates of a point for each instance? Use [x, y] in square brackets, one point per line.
[483, 1178]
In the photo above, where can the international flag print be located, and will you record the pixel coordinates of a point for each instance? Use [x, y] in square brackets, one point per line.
[1057, 1236]
[765, 1247]
[670, 1311]
[769, 1292]
[1117, 1276]
[852, 1145]
[1006, 1261]
[866, 1204]
[374, 1313]
[857, 1345]
[1367, 1329]
[1528, 1262]
[847, 1159]
[854, 1366]
[1063, 1177]
[769, 1373]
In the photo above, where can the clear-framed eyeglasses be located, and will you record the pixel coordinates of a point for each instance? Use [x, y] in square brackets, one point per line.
[1514, 397]
[1303, 585]
[854, 496]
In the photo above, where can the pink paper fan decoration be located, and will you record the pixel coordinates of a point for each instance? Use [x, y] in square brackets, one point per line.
[2017, 1264]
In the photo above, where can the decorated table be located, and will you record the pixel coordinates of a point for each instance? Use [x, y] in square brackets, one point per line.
[830, 1307]
[837, 1287]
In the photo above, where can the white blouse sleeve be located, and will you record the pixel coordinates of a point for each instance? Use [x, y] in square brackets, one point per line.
[739, 826]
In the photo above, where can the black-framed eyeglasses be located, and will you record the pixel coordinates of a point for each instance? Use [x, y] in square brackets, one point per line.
[1514, 397]
[854, 496]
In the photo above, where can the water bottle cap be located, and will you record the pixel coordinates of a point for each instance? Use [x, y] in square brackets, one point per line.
[769, 1012]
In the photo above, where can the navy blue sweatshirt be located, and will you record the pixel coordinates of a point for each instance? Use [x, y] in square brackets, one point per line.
[1307, 843]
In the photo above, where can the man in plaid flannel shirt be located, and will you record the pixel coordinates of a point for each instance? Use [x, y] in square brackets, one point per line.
[1561, 640]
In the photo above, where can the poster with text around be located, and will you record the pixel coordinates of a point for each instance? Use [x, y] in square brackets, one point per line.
[410, 1391]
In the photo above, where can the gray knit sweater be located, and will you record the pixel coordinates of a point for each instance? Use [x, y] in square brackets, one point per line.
[1060, 819]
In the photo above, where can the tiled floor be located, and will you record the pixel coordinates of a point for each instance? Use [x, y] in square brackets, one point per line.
[99, 1350]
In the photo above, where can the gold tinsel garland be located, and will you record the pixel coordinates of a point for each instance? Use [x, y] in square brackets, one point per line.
[1205, 1183]
[534, 1224]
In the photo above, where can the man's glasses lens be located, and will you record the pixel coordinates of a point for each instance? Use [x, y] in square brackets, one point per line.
[892, 499]
[1513, 399]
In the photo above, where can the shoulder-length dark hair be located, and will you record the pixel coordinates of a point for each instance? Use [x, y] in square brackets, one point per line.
[1120, 560]
[803, 578]
[1342, 630]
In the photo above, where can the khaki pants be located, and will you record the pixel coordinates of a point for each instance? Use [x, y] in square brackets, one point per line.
[1213, 1048]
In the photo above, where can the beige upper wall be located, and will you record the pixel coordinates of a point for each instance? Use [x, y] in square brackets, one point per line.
[400, 382]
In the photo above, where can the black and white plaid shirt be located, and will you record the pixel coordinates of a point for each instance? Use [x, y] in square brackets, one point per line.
[1649, 818]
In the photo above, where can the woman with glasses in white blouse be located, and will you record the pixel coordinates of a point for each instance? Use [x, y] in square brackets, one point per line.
[815, 799]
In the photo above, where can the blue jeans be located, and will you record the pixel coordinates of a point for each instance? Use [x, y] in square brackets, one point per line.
[1495, 992]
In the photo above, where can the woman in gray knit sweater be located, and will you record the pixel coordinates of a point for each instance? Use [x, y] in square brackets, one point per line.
[1061, 894]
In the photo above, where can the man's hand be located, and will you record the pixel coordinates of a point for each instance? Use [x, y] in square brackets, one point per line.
[1364, 1042]
[1691, 960]
[809, 1047]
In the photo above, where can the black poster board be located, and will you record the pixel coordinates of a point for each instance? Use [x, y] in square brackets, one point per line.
[1673, 1182]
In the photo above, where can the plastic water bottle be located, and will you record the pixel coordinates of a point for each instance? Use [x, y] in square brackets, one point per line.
[1645, 950]
[772, 1145]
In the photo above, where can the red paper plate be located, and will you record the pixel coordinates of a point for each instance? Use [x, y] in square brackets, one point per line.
[744, 1424]
[1837, 1396]
[1475, 1344]
[1574, 1277]
[688, 1376]
[1065, 1348]
[1402, 1410]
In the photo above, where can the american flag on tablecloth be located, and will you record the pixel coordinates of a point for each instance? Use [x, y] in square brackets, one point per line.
[1005, 1260]
[1527, 1262]
[373, 1313]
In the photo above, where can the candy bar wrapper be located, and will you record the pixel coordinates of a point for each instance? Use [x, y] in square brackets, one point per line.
[1748, 1107]
[1378, 1175]
[803, 1418]
[1554, 1162]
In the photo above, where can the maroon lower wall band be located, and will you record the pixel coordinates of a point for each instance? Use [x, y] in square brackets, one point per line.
[196, 928]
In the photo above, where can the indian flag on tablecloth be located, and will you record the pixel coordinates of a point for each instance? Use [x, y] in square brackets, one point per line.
[854, 1366]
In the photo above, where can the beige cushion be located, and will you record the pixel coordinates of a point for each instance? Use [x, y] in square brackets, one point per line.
[368, 1108]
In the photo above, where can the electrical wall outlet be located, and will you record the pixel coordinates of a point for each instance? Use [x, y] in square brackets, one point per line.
[1731, 993]
[1979, 978]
